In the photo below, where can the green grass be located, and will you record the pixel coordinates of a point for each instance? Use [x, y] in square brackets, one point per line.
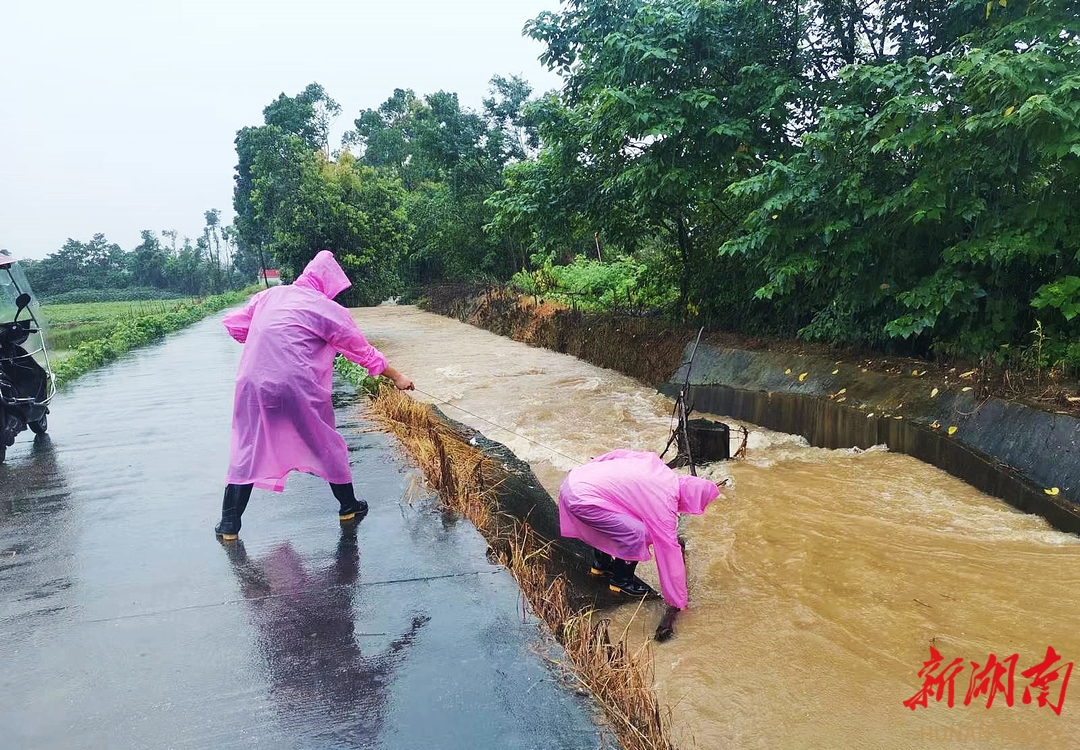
[69, 325]
[356, 375]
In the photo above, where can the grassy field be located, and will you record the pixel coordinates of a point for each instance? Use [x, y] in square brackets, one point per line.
[67, 326]
[86, 335]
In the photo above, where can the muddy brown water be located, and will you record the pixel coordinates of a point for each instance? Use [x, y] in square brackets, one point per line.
[820, 580]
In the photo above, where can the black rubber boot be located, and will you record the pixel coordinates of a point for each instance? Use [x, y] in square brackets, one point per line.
[351, 508]
[602, 563]
[623, 580]
[232, 507]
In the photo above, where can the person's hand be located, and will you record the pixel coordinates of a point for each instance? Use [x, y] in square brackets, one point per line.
[666, 628]
[403, 383]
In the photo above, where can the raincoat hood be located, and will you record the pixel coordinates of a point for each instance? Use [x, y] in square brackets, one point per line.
[323, 274]
[695, 493]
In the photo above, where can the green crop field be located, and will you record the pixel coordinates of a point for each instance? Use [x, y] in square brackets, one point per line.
[86, 335]
[69, 325]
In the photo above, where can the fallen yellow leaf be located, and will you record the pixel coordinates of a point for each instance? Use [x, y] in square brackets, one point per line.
[870, 415]
[967, 374]
[842, 398]
[1073, 399]
[841, 391]
[966, 388]
[787, 371]
[836, 371]
[1052, 491]
[952, 429]
[933, 393]
[802, 377]
[898, 416]
[1009, 111]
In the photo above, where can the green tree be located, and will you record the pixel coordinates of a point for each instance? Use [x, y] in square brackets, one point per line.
[146, 262]
[97, 264]
[216, 262]
[308, 115]
[933, 200]
[292, 201]
[186, 271]
[665, 104]
[261, 152]
[383, 135]
[352, 210]
[895, 172]
[450, 160]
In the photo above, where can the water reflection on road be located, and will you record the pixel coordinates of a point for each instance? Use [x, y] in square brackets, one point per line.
[35, 532]
[319, 672]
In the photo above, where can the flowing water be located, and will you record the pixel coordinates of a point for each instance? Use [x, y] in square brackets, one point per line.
[818, 582]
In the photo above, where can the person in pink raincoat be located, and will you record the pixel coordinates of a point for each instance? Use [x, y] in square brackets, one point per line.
[283, 419]
[622, 502]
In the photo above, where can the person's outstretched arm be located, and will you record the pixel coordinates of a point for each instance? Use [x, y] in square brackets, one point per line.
[345, 335]
[671, 566]
[239, 322]
[672, 570]
[401, 382]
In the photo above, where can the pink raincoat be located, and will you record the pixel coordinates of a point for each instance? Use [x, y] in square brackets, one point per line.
[623, 501]
[283, 419]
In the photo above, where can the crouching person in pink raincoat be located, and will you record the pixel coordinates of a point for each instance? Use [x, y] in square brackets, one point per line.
[283, 419]
[622, 502]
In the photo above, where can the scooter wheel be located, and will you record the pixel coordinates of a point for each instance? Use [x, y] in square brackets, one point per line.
[39, 427]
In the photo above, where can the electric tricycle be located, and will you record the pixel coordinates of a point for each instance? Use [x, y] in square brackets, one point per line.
[26, 378]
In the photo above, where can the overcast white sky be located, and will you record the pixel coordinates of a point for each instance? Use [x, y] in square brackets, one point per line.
[119, 115]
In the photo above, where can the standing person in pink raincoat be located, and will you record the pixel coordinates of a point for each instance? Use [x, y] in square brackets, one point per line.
[622, 502]
[283, 419]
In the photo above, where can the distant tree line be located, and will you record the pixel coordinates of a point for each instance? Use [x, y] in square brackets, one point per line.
[902, 174]
[168, 264]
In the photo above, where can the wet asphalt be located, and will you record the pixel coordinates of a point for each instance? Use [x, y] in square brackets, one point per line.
[124, 622]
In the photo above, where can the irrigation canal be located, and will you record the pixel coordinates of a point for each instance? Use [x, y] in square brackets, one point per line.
[818, 584]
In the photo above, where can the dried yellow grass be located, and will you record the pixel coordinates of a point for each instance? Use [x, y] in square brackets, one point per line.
[468, 482]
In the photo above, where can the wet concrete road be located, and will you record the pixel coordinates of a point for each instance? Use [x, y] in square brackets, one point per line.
[124, 623]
